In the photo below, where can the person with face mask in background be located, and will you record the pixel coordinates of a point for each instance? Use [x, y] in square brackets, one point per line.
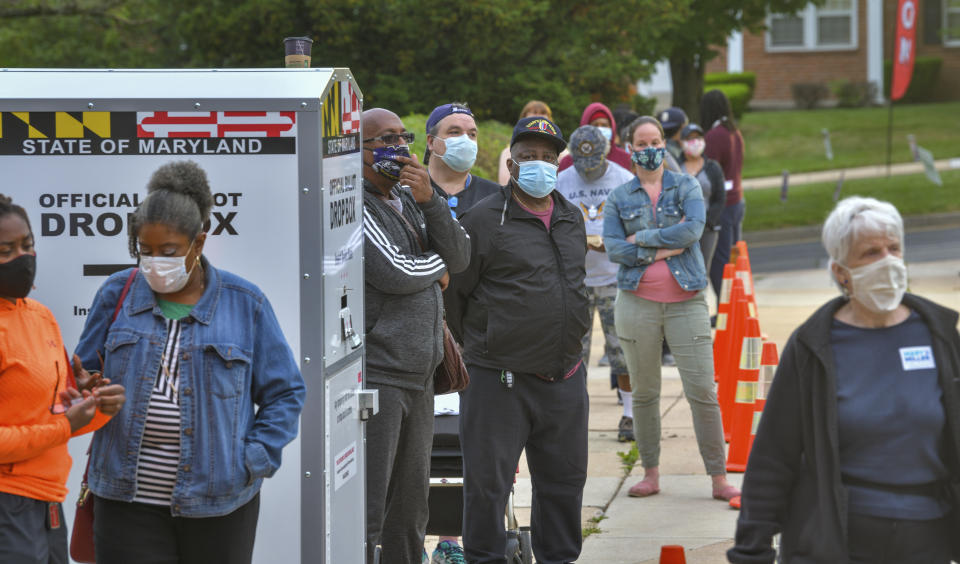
[412, 245]
[586, 185]
[600, 116]
[533, 108]
[856, 456]
[214, 393]
[710, 176]
[651, 228]
[673, 121]
[520, 310]
[451, 153]
[42, 405]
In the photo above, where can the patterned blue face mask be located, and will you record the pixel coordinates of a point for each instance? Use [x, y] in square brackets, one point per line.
[537, 178]
[385, 160]
[649, 158]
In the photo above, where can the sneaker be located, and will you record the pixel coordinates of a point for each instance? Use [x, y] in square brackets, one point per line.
[604, 361]
[448, 552]
[625, 429]
[668, 360]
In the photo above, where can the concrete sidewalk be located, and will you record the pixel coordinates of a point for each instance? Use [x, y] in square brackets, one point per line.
[633, 530]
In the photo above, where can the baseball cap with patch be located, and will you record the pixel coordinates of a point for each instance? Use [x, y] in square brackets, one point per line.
[588, 148]
[443, 111]
[672, 119]
[535, 126]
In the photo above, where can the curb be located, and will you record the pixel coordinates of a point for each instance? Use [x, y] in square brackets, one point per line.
[809, 233]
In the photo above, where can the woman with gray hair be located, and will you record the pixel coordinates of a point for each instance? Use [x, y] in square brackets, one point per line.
[856, 455]
[214, 393]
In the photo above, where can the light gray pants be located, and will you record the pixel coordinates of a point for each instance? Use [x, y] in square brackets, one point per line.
[642, 325]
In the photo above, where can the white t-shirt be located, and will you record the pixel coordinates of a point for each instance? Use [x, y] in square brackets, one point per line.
[591, 198]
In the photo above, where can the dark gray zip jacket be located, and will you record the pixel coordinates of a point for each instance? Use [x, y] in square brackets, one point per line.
[521, 305]
[792, 484]
[403, 317]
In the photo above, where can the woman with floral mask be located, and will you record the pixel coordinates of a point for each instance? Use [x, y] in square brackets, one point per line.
[710, 176]
[42, 405]
[652, 227]
[856, 456]
[214, 391]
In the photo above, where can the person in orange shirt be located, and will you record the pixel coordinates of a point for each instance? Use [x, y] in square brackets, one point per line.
[39, 408]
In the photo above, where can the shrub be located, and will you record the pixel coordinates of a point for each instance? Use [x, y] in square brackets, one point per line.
[854, 94]
[807, 95]
[739, 95]
[711, 79]
[923, 84]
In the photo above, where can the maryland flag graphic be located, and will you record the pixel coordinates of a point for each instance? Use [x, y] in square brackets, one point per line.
[341, 120]
[57, 125]
[147, 133]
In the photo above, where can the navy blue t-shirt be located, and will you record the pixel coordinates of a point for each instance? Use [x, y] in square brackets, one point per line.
[890, 416]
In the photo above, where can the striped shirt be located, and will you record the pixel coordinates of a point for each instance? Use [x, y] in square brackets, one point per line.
[160, 447]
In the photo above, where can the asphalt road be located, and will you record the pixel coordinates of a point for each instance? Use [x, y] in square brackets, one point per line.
[922, 245]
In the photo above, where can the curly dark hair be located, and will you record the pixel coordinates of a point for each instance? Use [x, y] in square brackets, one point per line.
[8, 207]
[178, 195]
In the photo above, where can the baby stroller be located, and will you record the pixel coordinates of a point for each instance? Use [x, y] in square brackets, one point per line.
[446, 492]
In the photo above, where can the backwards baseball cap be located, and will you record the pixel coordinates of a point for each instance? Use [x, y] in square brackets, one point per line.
[672, 119]
[535, 126]
[443, 111]
[588, 147]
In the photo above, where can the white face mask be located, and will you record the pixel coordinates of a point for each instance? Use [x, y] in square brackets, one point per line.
[880, 285]
[607, 132]
[166, 275]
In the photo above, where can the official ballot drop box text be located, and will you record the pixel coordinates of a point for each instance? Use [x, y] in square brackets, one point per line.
[281, 149]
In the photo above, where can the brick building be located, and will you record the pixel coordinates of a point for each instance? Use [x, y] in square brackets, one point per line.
[842, 39]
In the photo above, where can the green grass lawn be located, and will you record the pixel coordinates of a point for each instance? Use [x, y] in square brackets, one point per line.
[792, 140]
[492, 137]
[809, 204]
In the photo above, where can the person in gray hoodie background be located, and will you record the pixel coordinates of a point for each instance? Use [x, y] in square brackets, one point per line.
[411, 245]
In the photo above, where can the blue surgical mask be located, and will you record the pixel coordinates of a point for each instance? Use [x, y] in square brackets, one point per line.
[461, 153]
[537, 178]
[649, 158]
[607, 132]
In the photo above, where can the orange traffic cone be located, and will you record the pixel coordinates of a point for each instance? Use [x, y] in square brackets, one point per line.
[768, 366]
[743, 407]
[727, 387]
[672, 554]
[744, 273]
[721, 337]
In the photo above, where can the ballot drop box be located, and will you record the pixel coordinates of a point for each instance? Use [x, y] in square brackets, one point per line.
[282, 151]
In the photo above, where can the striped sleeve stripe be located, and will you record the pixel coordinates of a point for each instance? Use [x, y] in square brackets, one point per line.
[412, 267]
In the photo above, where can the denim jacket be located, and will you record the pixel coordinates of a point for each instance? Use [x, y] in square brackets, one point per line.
[678, 225]
[240, 389]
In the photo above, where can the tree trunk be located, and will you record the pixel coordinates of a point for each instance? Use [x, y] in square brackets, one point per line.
[686, 74]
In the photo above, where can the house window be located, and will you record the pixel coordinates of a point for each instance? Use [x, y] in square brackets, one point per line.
[951, 22]
[832, 26]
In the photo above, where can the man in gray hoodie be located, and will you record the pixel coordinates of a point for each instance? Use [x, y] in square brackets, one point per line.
[411, 245]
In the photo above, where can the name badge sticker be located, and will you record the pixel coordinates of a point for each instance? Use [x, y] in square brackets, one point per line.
[916, 358]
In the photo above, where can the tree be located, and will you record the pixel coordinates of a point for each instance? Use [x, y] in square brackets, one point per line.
[693, 40]
[407, 56]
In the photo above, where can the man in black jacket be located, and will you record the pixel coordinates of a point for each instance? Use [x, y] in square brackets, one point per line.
[520, 310]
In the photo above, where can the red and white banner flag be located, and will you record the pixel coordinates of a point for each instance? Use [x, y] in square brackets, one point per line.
[351, 108]
[216, 124]
[905, 48]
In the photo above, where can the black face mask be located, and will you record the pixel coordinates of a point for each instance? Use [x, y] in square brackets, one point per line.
[16, 276]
